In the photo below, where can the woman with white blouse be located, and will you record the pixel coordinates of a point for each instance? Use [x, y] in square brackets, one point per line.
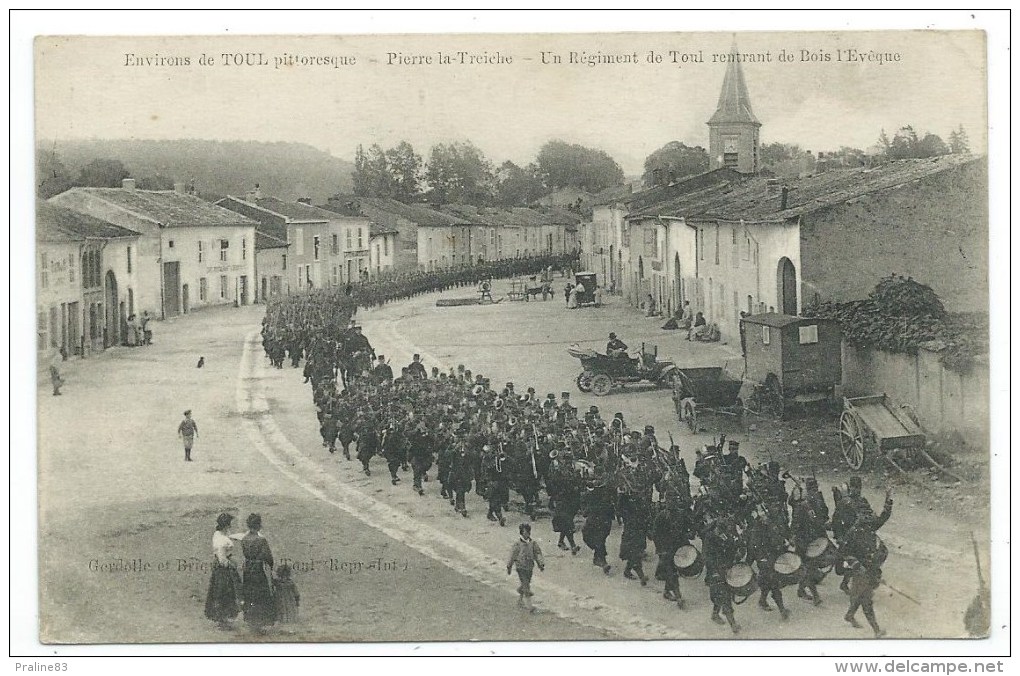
[222, 602]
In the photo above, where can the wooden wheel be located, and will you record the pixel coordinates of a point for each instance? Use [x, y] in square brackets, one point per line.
[584, 380]
[601, 384]
[851, 439]
[689, 414]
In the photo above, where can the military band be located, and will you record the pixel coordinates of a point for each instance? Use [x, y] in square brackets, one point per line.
[754, 534]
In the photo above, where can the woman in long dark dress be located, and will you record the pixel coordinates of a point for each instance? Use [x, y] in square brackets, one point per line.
[259, 609]
[221, 602]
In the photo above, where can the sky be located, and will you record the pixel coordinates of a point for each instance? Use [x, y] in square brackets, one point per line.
[512, 102]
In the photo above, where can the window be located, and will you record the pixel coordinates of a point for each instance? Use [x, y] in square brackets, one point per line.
[336, 279]
[386, 245]
[244, 248]
[335, 248]
[766, 335]
[809, 334]
[129, 260]
[300, 278]
[284, 259]
[315, 247]
[170, 244]
[44, 270]
[299, 242]
[203, 289]
[308, 275]
[224, 249]
[717, 244]
[70, 268]
[701, 243]
[201, 252]
[223, 287]
[361, 240]
[350, 242]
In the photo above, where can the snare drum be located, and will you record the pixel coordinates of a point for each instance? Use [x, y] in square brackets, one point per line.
[787, 567]
[740, 579]
[688, 561]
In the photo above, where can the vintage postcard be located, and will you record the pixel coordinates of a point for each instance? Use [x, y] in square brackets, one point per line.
[661, 336]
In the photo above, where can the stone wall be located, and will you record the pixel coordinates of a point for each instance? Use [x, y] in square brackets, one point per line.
[944, 400]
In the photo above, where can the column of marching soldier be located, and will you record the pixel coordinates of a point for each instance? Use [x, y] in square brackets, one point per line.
[755, 535]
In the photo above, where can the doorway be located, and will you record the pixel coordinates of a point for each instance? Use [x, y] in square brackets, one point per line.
[787, 286]
[112, 322]
[171, 289]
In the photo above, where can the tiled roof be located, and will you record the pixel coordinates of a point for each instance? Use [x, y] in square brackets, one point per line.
[376, 229]
[750, 201]
[265, 241]
[55, 223]
[420, 214]
[167, 207]
[295, 211]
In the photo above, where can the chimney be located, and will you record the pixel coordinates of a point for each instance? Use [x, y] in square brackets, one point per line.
[305, 200]
[786, 194]
[128, 184]
[179, 186]
[256, 193]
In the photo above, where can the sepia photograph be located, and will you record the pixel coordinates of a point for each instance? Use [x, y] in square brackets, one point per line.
[600, 336]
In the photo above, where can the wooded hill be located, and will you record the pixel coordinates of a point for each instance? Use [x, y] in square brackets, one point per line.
[217, 168]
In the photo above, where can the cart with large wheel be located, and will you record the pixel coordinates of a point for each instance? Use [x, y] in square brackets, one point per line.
[788, 361]
[870, 425]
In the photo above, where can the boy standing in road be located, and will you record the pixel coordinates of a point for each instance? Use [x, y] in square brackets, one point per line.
[188, 430]
[525, 555]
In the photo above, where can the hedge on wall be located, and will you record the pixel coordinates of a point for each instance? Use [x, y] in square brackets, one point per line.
[902, 315]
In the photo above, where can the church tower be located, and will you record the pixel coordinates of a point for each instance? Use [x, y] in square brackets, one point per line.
[733, 129]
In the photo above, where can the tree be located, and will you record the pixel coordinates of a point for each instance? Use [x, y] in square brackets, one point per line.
[674, 161]
[783, 159]
[404, 167]
[102, 173]
[904, 144]
[157, 182]
[958, 141]
[371, 173]
[459, 172]
[518, 187]
[51, 176]
[565, 165]
[931, 145]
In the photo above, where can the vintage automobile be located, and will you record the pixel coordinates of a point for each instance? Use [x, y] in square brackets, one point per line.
[601, 373]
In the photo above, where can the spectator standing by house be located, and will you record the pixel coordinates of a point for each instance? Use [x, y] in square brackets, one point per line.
[187, 430]
[56, 379]
[525, 555]
[146, 330]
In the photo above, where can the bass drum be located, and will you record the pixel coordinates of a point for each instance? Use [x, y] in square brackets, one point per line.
[741, 581]
[820, 553]
[688, 561]
[787, 568]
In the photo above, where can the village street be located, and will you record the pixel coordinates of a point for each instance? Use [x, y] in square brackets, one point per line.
[376, 562]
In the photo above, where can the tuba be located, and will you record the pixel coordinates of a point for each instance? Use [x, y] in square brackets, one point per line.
[477, 390]
[497, 404]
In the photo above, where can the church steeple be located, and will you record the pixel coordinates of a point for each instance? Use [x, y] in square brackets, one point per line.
[733, 128]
